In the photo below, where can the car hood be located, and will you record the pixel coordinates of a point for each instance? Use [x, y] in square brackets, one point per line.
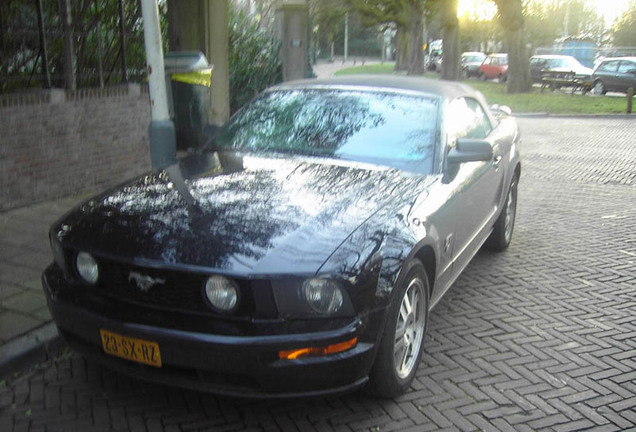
[237, 214]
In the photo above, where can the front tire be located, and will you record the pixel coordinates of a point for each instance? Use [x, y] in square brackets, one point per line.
[501, 234]
[599, 88]
[400, 349]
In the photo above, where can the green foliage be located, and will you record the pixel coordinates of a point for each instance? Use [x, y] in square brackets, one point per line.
[327, 22]
[253, 59]
[558, 102]
[476, 34]
[625, 28]
[545, 21]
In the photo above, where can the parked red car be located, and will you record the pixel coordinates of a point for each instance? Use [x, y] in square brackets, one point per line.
[495, 66]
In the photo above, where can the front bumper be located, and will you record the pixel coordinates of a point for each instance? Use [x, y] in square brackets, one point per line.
[235, 365]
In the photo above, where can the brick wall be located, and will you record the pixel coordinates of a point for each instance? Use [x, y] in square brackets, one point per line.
[55, 143]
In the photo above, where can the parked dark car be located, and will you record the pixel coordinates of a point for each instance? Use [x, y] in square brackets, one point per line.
[470, 62]
[557, 66]
[495, 66]
[300, 252]
[614, 74]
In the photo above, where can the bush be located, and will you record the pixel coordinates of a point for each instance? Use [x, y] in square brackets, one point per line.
[253, 59]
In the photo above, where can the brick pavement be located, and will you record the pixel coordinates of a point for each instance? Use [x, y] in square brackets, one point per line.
[541, 337]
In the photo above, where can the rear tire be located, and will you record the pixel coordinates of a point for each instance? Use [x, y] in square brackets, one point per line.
[501, 235]
[400, 349]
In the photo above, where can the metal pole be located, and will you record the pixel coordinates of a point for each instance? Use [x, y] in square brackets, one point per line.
[162, 132]
[45, 57]
[122, 41]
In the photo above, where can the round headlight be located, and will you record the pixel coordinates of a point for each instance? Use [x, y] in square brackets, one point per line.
[323, 295]
[87, 267]
[222, 293]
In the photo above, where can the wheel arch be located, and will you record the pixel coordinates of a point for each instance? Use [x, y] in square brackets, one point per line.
[426, 255]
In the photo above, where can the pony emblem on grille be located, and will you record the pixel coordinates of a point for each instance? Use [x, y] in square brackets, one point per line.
[144, 283]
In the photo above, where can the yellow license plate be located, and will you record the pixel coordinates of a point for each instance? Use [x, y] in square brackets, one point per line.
[138, 350]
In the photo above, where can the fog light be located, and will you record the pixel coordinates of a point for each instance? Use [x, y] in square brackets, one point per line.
[222, 293]
[322, 295]
[87, 267]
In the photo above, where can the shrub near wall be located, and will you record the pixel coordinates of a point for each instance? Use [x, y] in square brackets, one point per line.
[55, 144]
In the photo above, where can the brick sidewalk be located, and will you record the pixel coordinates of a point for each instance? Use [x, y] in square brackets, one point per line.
[24, 253]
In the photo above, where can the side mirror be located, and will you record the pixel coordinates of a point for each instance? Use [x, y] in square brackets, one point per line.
[470, 150]
[501, 110]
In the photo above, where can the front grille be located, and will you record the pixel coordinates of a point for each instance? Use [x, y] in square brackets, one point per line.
[179, 290]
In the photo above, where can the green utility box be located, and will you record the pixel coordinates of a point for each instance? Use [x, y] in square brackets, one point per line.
[189, 78]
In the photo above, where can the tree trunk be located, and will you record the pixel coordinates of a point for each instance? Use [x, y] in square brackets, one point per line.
[511, 20]
[450, 42]
[416, 40]
[69, 59]
[401, 62]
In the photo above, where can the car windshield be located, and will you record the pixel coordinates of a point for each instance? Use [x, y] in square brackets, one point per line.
[473, 59]
[390, 129]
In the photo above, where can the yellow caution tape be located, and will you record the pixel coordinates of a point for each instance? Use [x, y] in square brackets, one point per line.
[201, 77]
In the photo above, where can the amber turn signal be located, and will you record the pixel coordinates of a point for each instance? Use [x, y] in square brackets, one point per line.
[317, 351]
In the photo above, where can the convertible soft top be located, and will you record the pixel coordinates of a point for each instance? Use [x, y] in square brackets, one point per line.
[445, 89]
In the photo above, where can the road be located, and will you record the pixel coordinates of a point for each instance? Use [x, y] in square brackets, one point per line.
[541, 337]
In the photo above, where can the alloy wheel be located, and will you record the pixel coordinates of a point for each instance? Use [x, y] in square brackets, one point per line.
[409, 331]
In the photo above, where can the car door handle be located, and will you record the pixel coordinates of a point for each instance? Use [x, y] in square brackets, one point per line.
[497, 160]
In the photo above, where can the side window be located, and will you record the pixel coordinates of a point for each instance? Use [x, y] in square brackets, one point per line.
[627, 67]
[609, 66]
[467, 119]
[481, 126]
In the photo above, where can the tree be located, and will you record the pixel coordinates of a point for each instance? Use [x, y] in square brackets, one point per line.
[407, 17]
[327, 21]
[511, 20]
[624, 30]
[546, 21]
[450, 41]
[254, 62]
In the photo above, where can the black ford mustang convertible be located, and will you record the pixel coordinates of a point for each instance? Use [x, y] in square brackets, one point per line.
[300, 251]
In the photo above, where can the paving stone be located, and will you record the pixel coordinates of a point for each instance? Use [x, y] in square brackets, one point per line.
[14, 324]
[25, 302]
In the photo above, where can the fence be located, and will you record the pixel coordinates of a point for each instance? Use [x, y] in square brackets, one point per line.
[71, 43]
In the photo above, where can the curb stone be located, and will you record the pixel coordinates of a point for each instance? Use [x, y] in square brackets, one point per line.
[37, 345]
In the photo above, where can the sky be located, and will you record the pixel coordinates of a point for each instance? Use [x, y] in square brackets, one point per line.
[486, 9]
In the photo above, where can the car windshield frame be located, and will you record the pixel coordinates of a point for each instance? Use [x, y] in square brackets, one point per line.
[339, 122]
